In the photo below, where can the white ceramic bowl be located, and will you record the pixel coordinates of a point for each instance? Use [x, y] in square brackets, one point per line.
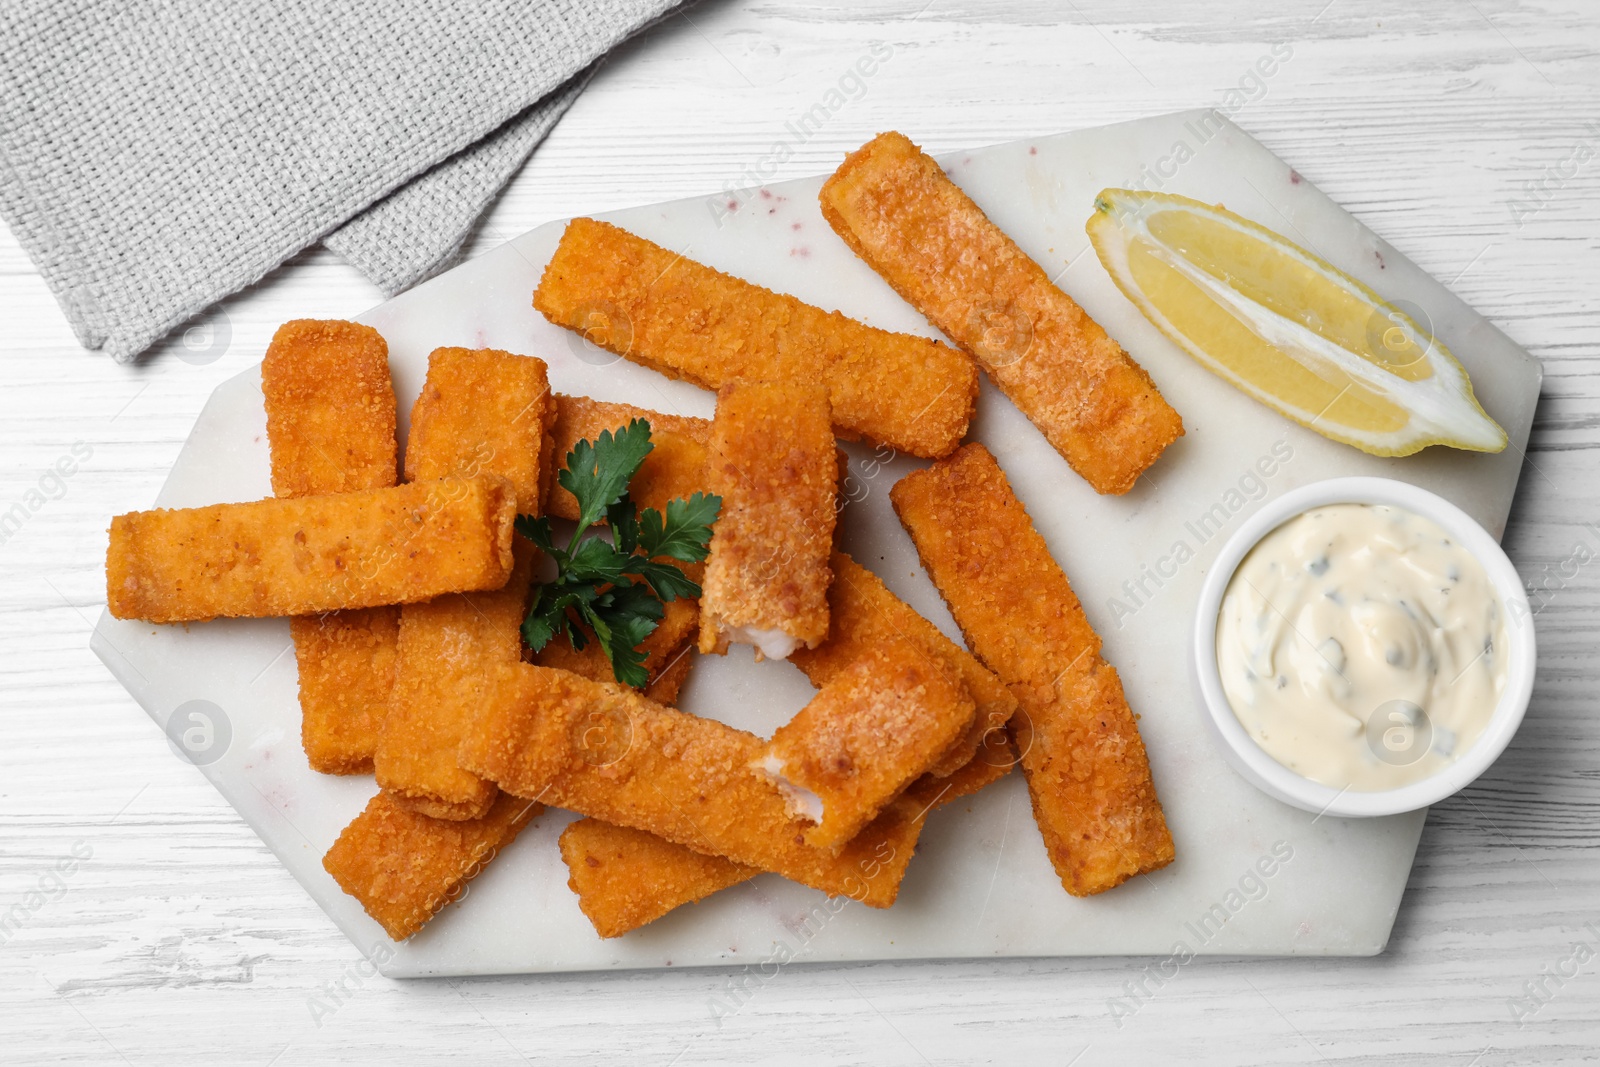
[1278, 781]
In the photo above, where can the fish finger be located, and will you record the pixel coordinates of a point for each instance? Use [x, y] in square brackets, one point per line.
[603, 750]
[346, 664]
[894, 206]
[663, 310]
[403, 867]
[776, 466]
[1087, 770]
[625, 878]
[330, 408]
[307, 555]
[870, 732]
[483, 410]
[863, 614]
[331, 429]
[479, 410]
[448, 651]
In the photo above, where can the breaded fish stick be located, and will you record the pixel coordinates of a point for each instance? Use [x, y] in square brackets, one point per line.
[863, 614]
[478, 410]
[1086, 766]
[483, 410]
[403, 867]
[331, 429]
[603, 750]
[581, 418]
[659, 309]
[625, 878]
[776, 466]
[449, 650]
[893, 205]
[676, 467]
[311, 554]
[866, 736]
[346, 661]
[330, 408]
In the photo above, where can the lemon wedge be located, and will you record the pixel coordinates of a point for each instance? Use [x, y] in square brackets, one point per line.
[1287, 328]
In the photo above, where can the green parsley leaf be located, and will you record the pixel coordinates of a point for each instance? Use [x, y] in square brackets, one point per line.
[548, 614]
[535, 530]
[592, 593]
[598, 474]
[686, 532]
[624, 525]
[593, 561]
[621, 619]
[668, 581]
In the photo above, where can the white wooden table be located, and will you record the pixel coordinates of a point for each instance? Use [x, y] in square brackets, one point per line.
[1467, 134]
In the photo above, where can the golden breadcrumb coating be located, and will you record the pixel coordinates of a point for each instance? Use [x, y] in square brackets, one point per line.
[1087, 771]
[894, 206]
[870, 732]
[449, 649]
[403, 867]
[667, 683]
[480, 410]
[331, 429]
[483, 410]
[311, 554]
[603, 750]
[676, 467]
[863, 614]
[776, 466]
[991, 762]
[663, 310]
[625, 878]
[346, 661]
[330, 408]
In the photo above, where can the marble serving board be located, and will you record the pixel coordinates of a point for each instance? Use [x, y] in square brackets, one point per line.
[1252, 876]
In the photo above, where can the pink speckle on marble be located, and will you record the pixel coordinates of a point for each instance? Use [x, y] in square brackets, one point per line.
[766, 194]
[1033, 150]
[733, 205]
[802, 251]
[794, 226]
[1294, 177]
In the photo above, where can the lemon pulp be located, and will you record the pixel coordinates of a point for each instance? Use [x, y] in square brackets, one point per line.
[1287, 328]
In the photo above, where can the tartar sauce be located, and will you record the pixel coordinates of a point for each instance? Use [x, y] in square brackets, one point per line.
[1361, 646]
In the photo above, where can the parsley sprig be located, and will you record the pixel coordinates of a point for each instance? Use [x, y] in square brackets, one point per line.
[615, 588]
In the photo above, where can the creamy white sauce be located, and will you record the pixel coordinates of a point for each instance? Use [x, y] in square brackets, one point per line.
[772, 644]
[799, 802]
[1361, 646]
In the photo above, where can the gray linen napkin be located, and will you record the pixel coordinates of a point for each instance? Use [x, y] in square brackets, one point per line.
[158, 155]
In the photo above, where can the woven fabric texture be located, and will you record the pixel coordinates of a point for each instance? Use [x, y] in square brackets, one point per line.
[418, 229]
[159, 155]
